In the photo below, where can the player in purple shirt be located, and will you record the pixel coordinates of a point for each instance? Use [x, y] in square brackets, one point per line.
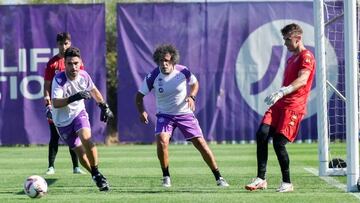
[69, 89]
[174, 109]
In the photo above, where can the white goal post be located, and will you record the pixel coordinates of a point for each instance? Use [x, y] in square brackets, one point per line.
[351, 44]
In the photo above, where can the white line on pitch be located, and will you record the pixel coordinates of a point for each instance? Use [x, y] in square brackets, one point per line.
[331, 181]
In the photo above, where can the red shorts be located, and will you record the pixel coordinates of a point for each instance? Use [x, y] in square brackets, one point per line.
[286, 122]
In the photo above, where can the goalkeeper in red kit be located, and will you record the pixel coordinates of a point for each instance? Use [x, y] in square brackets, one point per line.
[287, 108]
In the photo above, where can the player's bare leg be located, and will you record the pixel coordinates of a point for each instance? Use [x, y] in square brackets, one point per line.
[84, 161]
[162, 141]
[90, 148]
[162, 149]
[206, 153]
[92, 155]
[201, 145]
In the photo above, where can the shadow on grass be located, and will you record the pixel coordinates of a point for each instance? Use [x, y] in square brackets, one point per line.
[49, 181]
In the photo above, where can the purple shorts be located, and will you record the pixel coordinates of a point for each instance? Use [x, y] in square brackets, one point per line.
[69, 133]
[187, 124]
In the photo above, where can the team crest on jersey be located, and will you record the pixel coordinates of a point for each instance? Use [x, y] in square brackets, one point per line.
[148, 76]
[160, 82]
[82, 82]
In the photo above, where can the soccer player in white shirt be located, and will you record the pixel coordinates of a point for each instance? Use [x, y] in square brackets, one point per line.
[174, 108]
[69, 89]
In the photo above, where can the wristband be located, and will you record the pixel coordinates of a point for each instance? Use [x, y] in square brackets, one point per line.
[287, 90]
[193, 97]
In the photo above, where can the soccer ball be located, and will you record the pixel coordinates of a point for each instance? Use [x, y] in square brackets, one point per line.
[35, 186]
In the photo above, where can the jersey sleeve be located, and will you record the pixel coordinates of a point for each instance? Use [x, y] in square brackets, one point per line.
[308, 61]
[192, 79]
[144, 88]
[49, 72]
[57, 91]
[89, 82]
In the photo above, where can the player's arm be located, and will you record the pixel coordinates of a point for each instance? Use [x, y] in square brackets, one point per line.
[61, 102]
[47, 100]
[300, 81]
[106, 113]
[47, 89]
[191, 98]
[95, 93]
[139, 103]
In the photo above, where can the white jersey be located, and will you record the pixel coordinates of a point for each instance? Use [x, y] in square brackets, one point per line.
[170, 90]
[61, 88]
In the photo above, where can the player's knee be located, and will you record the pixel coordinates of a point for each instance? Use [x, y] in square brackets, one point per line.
[279, 142]
[84, 134]
[262, 133]
[163, 139]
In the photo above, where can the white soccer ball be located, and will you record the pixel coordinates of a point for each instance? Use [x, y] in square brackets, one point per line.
[35, 186]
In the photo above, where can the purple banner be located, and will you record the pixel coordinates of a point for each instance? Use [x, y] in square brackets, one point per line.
[27, 42]
[235, 50]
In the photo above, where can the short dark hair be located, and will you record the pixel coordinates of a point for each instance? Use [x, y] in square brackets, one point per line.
[162, 50]
[292, 28]
[63, 36]
[72, 52]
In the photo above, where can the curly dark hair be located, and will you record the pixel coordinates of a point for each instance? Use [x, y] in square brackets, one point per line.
[162, 50]
[292, 28]
[72, 52]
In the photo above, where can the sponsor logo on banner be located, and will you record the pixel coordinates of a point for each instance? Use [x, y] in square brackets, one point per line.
[261, 61]
[12, 75]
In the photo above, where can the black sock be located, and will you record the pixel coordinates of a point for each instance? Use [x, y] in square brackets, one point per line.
[165, 171]
[286, 176]
[74, 158]
[217, 174]
[94, 170]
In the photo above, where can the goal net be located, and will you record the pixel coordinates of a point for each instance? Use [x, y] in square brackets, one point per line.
[336, 24]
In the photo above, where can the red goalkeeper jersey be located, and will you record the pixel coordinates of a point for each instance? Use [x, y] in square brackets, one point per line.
[296, 101]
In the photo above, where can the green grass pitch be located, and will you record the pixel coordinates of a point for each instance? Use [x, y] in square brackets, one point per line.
[134, 175]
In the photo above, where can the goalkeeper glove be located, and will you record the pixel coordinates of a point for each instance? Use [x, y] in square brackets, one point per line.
[48, 112]
[79, 96]
[106, 113]
[275, 96]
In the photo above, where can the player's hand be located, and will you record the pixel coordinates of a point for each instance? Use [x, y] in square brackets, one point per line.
[79, 96]
[275, 96]
[106, 113]
[191, 102]
[48, 112]
[144, 117]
